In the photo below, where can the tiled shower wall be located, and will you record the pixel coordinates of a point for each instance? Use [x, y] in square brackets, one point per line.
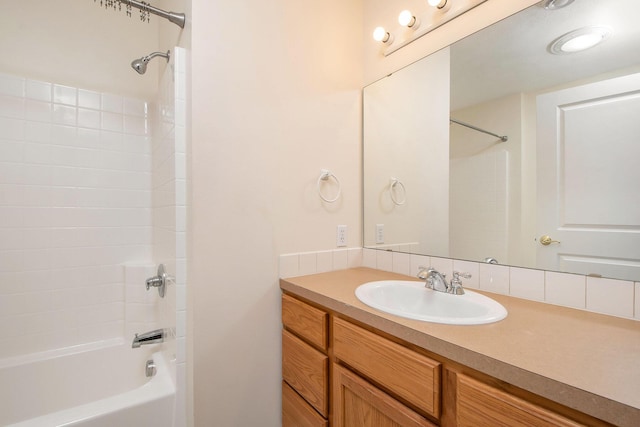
[75, 173]
[169, 201]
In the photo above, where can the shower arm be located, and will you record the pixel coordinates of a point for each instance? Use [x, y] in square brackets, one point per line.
[176, 18]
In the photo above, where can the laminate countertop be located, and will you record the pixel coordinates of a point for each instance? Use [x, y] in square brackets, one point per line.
[586, 361]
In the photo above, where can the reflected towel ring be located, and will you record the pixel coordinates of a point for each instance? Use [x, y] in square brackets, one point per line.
[393, 183]
[325, 174]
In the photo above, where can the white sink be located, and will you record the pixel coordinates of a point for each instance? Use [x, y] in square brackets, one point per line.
[414, 301]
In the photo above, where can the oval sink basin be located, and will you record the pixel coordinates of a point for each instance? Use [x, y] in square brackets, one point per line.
[414, 301]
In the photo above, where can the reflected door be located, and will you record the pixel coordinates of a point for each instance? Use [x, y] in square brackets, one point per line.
[588, 179]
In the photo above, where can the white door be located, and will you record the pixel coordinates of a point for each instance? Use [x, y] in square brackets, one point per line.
[588, 178]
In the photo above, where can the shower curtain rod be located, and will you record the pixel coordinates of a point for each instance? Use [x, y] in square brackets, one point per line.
[503, 138]
[146, 8]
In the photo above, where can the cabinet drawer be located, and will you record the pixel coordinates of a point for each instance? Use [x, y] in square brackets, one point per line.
[296, 412]
[405, 373]
[306, 321]
[306, 370]
[480, 405]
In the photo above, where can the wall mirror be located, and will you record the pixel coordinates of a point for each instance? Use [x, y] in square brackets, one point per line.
[507, 147]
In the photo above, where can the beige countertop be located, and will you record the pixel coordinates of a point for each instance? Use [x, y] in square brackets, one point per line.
[586, 361]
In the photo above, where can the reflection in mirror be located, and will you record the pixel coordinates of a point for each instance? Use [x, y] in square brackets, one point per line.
[567, 171]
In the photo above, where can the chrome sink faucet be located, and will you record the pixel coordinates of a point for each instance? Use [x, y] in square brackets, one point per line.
[438, 282]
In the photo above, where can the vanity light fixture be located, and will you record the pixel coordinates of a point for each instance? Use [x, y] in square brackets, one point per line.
[445, 11]
[579, 40]
[382, 35]
[407, 19]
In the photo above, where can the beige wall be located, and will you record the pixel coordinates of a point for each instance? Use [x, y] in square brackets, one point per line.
[276, 97]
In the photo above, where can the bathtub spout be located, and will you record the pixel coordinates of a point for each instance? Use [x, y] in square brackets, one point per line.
[152, 337]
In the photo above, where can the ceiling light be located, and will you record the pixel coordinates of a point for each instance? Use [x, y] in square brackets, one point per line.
[579, 40]
[555, 4]
[406, 19]
[382, 35]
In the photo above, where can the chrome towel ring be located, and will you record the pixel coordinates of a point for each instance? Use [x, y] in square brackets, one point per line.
[325, 174]
[393, 184]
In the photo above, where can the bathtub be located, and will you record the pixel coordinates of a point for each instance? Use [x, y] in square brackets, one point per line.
[96, 387]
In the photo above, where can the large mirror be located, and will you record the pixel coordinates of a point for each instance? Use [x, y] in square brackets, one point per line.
[507, 148]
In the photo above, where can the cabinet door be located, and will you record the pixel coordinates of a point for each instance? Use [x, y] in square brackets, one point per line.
[356, 403]
[296, 412]
[480, 405]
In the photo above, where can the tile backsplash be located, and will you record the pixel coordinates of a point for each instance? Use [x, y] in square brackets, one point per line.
[619, 298]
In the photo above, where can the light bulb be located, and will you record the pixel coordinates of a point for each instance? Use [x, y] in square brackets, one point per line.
[437, 3]
[381, 35]
[406, 19]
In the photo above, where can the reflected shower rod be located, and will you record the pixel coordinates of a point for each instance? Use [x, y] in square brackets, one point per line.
[503, 138]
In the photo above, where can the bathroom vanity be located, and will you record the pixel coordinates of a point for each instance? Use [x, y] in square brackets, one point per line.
[346, 364]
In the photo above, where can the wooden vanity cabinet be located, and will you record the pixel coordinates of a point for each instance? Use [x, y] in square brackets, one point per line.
[305, 364]
[376, 381]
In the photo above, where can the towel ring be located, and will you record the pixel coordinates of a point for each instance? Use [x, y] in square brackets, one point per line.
[325, 174]
[393, 183]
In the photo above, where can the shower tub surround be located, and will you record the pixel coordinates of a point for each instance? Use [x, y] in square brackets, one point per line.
[75, 205]
[92, 198]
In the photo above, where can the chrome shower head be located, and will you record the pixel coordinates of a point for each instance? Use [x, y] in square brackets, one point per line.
[140, 64]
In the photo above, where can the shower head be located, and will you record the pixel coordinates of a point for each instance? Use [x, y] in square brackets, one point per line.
[140, 64]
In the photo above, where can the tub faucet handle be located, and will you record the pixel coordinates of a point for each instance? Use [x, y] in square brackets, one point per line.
[159, 281]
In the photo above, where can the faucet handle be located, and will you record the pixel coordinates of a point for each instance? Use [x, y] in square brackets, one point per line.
[457, 275]
[423, 272]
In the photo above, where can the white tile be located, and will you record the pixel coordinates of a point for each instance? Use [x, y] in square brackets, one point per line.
[354, 257]
[470, 267]
[307, 263]
[369, 258]
[324, 261]
[609, 296]
[11, 85]
[401, 263]
[384, 260]
[288, 265]
[564, 289]
[88, 118]
[89, 99]
[39, 111]
[65, 95]
[112, 122]
[340, 259]
[12, 128]
[37, 132]
[40, 91]
[12, 107]
[494, 278]
[527, 283]
[112, 103]
[64, 115]
[135, 107]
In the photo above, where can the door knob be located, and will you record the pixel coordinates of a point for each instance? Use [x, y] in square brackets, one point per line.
[546, 240]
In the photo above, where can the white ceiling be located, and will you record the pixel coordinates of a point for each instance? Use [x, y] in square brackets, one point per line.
[511, 55]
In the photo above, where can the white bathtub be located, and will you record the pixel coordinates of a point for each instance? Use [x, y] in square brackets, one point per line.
[101, 387]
